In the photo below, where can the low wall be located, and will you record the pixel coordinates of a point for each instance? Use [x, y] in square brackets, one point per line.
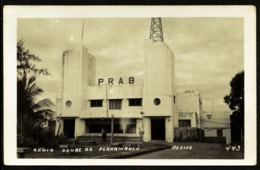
[108, 138]
[188, 135]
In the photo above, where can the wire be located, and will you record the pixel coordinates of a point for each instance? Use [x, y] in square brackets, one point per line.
[216, 122]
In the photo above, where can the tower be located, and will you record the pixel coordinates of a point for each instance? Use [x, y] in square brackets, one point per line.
[156, 32]
[78, 74]
[158, 91]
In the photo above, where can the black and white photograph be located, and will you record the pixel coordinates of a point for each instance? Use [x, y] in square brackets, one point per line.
[125, 85]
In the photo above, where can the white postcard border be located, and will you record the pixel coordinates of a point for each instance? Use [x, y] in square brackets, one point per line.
[12, 13]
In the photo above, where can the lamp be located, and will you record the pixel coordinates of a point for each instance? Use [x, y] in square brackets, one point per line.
[209, 116]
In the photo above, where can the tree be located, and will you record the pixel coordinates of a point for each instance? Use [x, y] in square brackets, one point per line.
[235, 101]
[25, 61]
[30, 114]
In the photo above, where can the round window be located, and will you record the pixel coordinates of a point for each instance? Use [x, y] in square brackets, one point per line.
[68, 103]
[156, 101]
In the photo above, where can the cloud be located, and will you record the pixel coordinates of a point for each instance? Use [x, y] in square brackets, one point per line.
[208, 51]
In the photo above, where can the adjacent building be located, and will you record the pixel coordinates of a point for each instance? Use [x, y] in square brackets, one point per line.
[216, 127]
[188, 123]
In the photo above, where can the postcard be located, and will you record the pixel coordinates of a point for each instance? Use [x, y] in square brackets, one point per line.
[130, 85]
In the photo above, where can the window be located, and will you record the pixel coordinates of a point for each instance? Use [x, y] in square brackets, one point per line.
[115, 104]
[68, 103]
[96, 125]
[174, 99]
[135, 102]
[127, 126]
[95, 128]
[219, 133]
[118, 128]
[156, 101]
[107, 128]
[184, 123]
[96, 103]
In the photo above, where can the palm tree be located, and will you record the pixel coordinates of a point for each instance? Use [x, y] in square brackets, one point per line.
[31, 115]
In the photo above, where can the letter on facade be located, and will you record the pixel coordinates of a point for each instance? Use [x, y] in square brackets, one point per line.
[100, 81]
[131, 80]
[110, 81]
[120, 81]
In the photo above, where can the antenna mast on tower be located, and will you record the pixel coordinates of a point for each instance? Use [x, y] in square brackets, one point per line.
[156, 32]
[82, 33]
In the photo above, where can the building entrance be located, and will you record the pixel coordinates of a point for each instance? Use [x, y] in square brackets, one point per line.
[158, 129]
[69, 127]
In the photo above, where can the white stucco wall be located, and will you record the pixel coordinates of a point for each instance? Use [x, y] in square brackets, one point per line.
[159, 83]
[115, 91]
[80, 127]
[219, 120]
[213, 133]
[210, 133]
[78, 74]
[169, 130]
[158, 78]
[227, 134]
[147, 129]
[187, 116]
[123, 92]
[188, 103]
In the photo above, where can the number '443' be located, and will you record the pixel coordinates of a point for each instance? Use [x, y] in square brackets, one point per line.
[233, 148]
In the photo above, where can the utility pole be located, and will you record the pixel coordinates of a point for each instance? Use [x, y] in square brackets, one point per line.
[156, 31]
[212, 106]
[112, 129]
[106, 101]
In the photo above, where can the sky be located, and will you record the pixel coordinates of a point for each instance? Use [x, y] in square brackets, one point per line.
[208, 51]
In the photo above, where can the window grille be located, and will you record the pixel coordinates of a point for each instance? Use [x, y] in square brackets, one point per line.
[115, 104]
[184, 123]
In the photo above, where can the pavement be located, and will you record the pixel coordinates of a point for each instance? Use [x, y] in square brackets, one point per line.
[180, 150]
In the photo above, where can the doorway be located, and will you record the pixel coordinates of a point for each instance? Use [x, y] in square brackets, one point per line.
[158, 129]
[69, 128]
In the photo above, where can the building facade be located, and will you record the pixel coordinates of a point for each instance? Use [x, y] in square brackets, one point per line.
[151, 107]
[216, 127]
[88, 104]
[188, 123]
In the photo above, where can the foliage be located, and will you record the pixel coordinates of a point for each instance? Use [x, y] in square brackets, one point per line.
[45, 137]
[62, 139]
[25, 61]
[31, 115]
[235, 99]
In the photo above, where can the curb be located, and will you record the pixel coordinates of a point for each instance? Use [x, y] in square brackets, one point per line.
[130, 154]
